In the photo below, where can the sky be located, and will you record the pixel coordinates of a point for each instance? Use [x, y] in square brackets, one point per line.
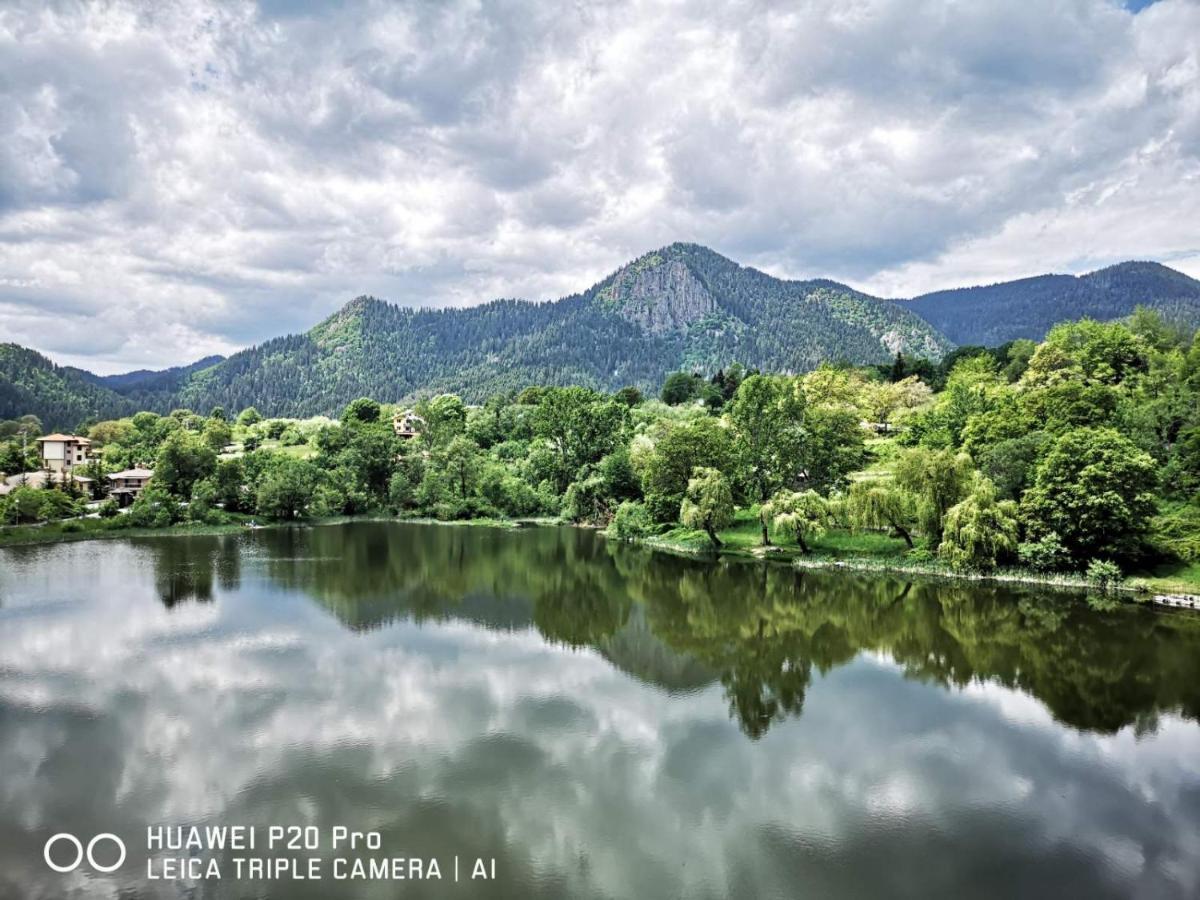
[186, 178]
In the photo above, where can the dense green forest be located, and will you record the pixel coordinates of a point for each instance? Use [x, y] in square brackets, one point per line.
[1030, 307]
[1079, 454]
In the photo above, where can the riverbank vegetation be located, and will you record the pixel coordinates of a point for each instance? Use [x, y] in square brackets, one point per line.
[1078, 457]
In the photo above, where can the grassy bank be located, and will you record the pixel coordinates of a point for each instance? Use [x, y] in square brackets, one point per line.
[69, 530]
[875, 552]
[835, 549]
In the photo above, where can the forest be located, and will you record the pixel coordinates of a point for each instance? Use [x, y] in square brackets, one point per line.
[1078, 455]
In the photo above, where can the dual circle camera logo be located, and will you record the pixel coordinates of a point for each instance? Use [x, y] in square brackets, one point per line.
[80, 853]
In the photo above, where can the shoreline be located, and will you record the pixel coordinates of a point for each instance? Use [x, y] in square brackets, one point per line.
[1136, 589]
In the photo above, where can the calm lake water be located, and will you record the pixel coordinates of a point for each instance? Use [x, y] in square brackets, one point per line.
[599, 720]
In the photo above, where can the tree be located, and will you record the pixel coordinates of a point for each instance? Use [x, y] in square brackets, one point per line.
[835, 447]
[630, 396]
[979, 529]
[937, 479]
[767, 414]
[459, 463]
[673, 458]
[882, 504]
[580, 426]
[680, 387]
[797, 514]
[22, 505]
[441, 419]
[287, 488]
[1094, 489]
[360, 412]
[217, 434]
[249, 416]
[183, 460]
[708, 503]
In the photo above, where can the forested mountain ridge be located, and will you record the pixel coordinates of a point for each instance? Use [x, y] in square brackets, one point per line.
[59, 396]
[680, 307]
[994, 314]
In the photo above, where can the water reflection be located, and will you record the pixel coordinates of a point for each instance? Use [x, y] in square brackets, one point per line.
[759, 629]
[580, 711]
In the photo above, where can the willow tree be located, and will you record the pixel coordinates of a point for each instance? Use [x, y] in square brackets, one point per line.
[936, 479]
[797, 514]
[882, 504]
[708, 503]
[979, 530]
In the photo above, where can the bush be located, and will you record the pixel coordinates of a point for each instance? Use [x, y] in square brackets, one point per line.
[1104, 573]
[108, 509]
[632, 521]
[920, 555]
[71, 526]
[1047, 554]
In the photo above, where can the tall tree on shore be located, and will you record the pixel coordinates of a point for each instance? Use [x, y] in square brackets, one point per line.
[767, 414]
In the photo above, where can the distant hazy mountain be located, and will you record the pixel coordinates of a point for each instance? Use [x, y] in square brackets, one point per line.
[151, 380]
[1028, 308]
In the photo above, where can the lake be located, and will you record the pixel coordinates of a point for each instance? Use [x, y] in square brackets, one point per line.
[591, 719]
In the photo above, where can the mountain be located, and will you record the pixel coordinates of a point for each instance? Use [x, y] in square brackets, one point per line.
[1028, 308]
[151, 380]
[60, 396]
[680, 307]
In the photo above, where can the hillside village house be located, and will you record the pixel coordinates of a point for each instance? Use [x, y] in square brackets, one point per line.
[126, 485]
[407, 424]
[63, 452]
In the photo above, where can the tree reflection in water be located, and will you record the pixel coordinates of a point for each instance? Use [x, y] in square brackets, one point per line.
[759, 629]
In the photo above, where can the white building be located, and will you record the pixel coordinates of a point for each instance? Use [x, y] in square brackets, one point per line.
[63, 452]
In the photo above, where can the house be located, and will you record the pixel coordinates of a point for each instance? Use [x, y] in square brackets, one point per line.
[126, 485]
[407, 424]
[63, 452]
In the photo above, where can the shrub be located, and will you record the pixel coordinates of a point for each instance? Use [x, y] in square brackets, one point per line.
[1104, 573]
[1046, 554]
[631, 521]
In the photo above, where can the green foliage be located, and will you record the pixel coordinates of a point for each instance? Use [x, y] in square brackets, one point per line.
[154, 507]
[287, 488]
[183, 460]
[937, 480]
[249, 416]
[882, 504]
[1046, 554]
[1104, 573]
[631, 521]
[676, 454]
[799, 515]
[1094, 489]
[979, 530]
[708, 503]
[767, 415]
[360, 412]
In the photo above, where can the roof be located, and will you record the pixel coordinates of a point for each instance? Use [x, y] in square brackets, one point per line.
[64, 437]
[133, 473]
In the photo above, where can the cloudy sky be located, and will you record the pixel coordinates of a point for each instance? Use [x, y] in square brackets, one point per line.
[183, 178]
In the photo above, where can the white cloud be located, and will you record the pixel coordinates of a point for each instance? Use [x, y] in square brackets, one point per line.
[187, 178]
